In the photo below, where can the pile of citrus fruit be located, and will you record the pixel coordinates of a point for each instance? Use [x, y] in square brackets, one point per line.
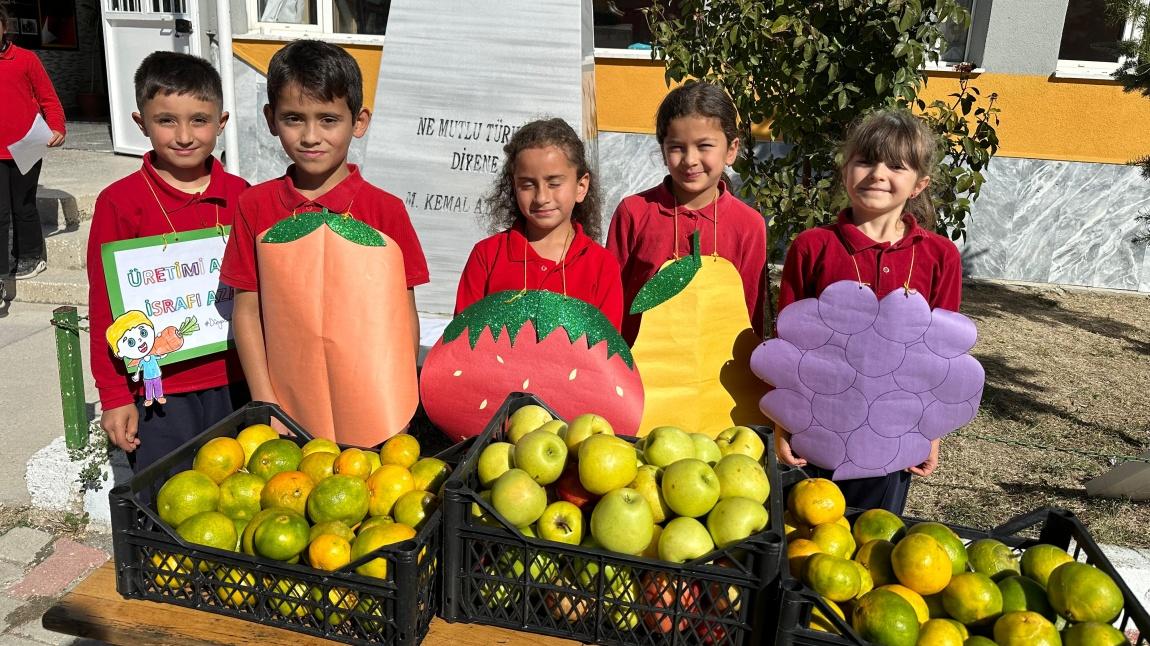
[924, 586]
[318, 504]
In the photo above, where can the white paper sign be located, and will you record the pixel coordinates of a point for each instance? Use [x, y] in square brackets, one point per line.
[32, 146]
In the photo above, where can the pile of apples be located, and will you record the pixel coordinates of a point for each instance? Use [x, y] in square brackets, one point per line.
[673, 495]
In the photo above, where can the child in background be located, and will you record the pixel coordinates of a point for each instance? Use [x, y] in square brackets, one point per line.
[326, 327]
[179, 187]
[885, 239]
[696, 127]
[25, 91]
[545, 206]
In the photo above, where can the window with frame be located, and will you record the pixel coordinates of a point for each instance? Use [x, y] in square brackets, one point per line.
[621, 24]
[362, 17]
[955, 44]
[1090, 37]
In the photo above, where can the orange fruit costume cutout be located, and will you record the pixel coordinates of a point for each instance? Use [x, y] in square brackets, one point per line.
[337, 329]
[694, 347]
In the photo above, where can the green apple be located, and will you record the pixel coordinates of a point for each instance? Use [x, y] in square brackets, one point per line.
[734, 519]
[583, 427]
[526, 419]
[690, 487]
[561, 522]
[665, 445]
[646, 482]
[430, 474]
[556, 426]
[479, 512]
[494, 461]
[606, 463]
[620, 591]
[684, 539]
[518, 498]
[706, 449]
[742, 476]
[741, 439]
[414, 507]
[622, 521]
[542, 455]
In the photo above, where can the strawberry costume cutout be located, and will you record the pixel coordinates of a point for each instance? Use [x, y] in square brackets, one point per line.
[337, 329]
[560, 348]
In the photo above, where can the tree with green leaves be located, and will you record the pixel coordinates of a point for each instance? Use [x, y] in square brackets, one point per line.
[1134, 74]
[809, 68]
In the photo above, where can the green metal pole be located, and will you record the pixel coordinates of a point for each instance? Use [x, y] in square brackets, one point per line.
[68, 358]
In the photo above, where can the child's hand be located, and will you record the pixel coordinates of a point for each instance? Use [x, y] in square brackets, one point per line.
[930, 464]
[136, 376]
[121, 424]
[56, 140]
[783, 449]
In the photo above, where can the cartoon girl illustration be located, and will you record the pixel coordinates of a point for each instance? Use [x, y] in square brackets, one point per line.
[132, 336]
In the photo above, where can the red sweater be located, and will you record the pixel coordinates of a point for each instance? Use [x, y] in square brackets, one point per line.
[839, 251]
[25, 90]
[125, 210]
[504, 260]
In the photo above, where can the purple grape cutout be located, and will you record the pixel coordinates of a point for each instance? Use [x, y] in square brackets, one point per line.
[895, 413]
[841, 412]
[817, 439]
[800, 324]
[901, 317]
[847, 307]
[825, 370]
[870, 450]
[872, 387]
[872, 355]
[783, 368]
[950, 334]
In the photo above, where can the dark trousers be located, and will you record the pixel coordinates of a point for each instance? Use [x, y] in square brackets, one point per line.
[18, 213]
[166, 427]
[884, 492]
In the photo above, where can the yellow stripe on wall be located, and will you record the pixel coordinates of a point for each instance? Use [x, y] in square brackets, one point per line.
[258, 53]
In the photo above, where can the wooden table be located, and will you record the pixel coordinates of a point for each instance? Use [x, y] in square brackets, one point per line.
[94, 609]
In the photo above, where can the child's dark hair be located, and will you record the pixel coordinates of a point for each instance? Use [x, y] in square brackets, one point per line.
[503, 209]
[897, 137]
[5, 20]
[697, 99]
[175, 73]
[322, 71]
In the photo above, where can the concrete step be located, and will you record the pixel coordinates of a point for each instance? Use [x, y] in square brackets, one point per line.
[68, 247]
[70, 181]
[56, 286]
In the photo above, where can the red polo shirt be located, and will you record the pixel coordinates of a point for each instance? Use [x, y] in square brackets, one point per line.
[827, 254]
[127, 209]
[642, 238]
[498, 263]
[266, 204]
[25, 90]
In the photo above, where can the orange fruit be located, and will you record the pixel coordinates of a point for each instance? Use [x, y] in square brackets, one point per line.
[1092, 633]
[374, 538]
[921, 564]
[1023, 593]
[401, 450]
[289, 490]
[835, 539]
[238, 589]
[209, 528]
[875, 557]
[883, 617]
[253, 436]
[250, 529]
[329, 552]
[186, 494]
[340, 497]
[831, 576]
[972, 599]
[170, 571]
[1025, 629]
[320, 445]
[913, 598]
[793, 529]
[352, 462]
[940, 632]
[866, 583]
[878, 524]
[815, 501]
[430, 474]
[219, 458]
[385, 486]
[414, 508]
[289, 597]
[978, 640]
[343, 599]
[373, 462]
[336, 527]
[820, 621]
[373, 521]
[949, 542]
[934, 604]
[1081, 592]
[240, 495]
[318, 465]
[281, 536]
[275, 456]
[1040, 560]
[993, 558]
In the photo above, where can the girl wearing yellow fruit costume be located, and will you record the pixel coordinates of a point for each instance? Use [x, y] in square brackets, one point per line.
[692, 257]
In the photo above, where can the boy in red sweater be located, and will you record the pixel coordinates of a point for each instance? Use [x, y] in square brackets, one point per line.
[180, 187]
[324, 328]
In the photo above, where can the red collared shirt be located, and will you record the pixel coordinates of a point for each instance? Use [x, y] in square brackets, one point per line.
[25, 90]
[839, 251]
[500, 262]
[266, 204]
[128, 209]
[642, 238]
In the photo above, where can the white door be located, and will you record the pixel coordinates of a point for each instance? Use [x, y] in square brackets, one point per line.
[132, 30]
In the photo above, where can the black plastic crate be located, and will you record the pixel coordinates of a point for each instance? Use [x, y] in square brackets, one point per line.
[155, 563]
[596, 596]
[1050, 525]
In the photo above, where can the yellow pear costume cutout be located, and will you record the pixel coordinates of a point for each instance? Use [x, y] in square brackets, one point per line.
[694, 347]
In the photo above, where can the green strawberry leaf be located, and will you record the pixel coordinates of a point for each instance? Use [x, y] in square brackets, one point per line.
[355, 231]
[294, 227]
[668, 281]
[510, 310]
[298, 225]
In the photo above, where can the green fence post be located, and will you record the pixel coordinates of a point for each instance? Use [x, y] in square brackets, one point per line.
[68, 358]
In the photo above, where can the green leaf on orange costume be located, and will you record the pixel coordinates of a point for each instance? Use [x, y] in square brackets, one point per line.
[547, 311]
[298, 225]
[668, 281]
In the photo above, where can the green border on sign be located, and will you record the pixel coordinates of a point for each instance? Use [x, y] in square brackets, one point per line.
[115, 298]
